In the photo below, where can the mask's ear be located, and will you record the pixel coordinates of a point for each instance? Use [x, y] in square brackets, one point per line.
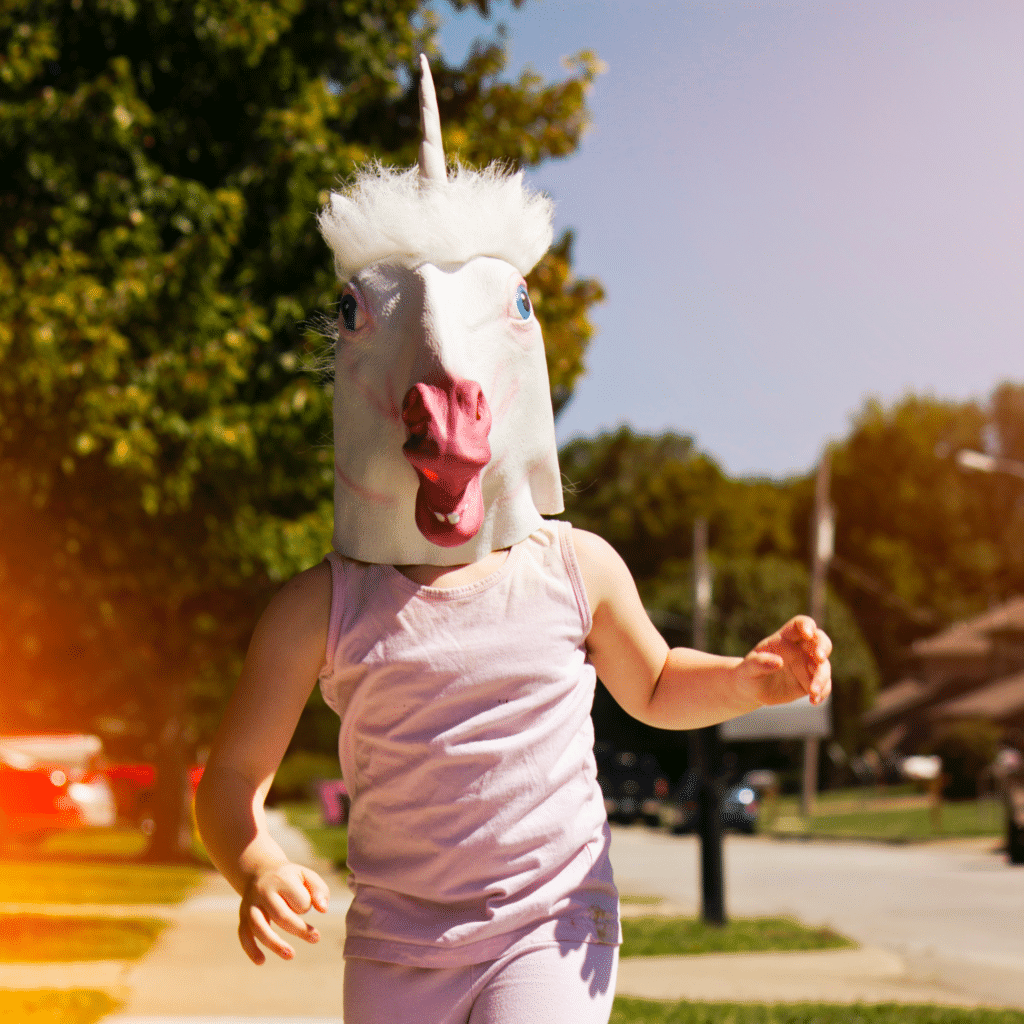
[432, 164]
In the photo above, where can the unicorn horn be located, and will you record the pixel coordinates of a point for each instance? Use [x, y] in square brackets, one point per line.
[432, 167]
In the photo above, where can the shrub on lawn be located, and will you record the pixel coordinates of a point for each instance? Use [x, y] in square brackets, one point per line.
[966, 748]
[299, 770]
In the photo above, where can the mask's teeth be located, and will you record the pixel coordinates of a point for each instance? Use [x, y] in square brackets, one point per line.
[453, 518]
[440, 517]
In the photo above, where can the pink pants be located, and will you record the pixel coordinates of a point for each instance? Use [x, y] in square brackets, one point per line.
[558, 984]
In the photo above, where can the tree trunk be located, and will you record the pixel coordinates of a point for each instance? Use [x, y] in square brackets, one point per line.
[172, 815]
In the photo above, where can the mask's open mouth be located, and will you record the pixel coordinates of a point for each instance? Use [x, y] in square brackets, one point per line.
[448, 447]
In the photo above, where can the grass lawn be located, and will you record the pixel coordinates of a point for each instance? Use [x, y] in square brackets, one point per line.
[915, 824]
[641, 1011]
[54, 881]
[63, 1007]
[681, 936]
[330, 841]
[39, 938]
[894, 815]
[116, 843]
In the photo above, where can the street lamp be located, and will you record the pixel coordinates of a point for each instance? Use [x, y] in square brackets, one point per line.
[982, 463]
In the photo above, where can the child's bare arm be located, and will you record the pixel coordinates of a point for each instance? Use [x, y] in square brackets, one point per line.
[281, 668]
[682, 688]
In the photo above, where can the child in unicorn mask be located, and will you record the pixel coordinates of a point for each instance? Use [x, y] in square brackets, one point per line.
[458, 635]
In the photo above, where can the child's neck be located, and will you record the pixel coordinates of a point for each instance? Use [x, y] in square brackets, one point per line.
[448, 576]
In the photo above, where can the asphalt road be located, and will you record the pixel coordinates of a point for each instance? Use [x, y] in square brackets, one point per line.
[953, 910]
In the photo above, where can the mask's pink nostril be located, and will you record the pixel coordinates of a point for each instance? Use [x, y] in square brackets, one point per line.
[415, 414]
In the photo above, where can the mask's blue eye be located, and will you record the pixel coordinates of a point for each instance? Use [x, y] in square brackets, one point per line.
[523, 302]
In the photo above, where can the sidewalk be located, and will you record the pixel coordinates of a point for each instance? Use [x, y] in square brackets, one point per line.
[197, 973]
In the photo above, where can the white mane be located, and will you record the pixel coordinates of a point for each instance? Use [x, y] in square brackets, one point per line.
[389, 213]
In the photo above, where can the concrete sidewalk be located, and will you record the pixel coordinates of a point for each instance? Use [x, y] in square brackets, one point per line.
[197, 973]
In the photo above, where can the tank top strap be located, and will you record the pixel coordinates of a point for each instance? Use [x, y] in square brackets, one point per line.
[338, 567]
[572, 568]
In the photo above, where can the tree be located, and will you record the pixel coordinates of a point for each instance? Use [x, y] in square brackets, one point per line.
[643, 493]
[753, 596]
[164, 439]
[920, 542]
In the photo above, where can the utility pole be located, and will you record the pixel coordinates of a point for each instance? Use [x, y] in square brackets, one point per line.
[822, 548]
[704, 750]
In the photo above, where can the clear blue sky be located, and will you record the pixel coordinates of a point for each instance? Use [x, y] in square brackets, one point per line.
[792, 206]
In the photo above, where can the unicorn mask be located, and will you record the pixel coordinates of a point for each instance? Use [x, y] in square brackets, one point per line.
[444, 437]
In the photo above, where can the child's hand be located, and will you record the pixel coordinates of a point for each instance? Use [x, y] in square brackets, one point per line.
[791, 663]
[278, 896]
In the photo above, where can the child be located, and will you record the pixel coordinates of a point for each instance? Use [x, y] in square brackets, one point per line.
[458, 635]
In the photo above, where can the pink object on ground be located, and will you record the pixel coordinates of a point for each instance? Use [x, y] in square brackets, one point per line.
[467, 748]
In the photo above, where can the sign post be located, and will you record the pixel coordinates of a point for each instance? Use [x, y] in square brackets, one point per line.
[704, 750]
[801, 720]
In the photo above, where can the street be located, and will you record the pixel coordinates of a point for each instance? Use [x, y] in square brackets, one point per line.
[953, 910]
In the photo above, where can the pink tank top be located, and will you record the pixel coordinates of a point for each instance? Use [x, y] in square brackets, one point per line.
[467, 748]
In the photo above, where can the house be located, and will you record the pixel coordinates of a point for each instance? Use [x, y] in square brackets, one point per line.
[972, 670]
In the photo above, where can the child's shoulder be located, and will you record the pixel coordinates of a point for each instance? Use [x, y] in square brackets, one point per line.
[594, 554]
[601, 567]
[302, 607]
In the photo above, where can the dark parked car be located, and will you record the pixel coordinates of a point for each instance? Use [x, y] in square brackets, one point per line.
[740, 807]
[633, 785]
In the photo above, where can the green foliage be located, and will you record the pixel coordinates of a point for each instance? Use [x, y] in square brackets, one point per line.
[966, 748]
[916, 824]
[64, 882]
[642, 1011]
[752, 597]
[165, 453]
[920, 542]
[562, 303]
[891, 814]
[38, 938]
[299, 770]
[687, 936]
[68, 1006]
[329, 841]
[642, 494]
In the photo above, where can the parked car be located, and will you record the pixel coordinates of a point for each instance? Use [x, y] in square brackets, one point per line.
[633, 785]
[133, 783]
[53, 782]
[740, 807]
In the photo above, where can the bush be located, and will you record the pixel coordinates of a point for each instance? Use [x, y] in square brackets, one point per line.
[966, 748]
[299, 770]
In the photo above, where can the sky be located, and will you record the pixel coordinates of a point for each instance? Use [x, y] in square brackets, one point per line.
[793, 207]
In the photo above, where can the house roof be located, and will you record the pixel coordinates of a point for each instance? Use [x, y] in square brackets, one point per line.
[972, 637]
[996, 701]
[894, 700]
